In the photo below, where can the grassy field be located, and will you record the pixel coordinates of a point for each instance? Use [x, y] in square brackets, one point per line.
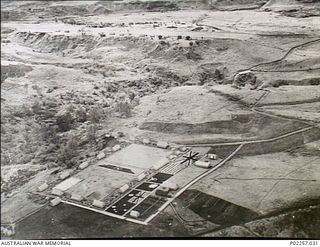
[265, 179]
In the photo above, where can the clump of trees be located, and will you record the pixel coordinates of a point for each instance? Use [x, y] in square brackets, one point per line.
[124, 108]
[68, 152]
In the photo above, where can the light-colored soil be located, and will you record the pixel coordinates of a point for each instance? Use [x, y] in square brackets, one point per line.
[186, 175]
[137, 156]
[285, 95]
[19, 204]
[308, 111]
[265, 180]
[290, 95]
[189, 104]
[99, 182]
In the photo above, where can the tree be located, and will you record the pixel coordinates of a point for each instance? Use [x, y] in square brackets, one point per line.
[92, 133]
[69, 151]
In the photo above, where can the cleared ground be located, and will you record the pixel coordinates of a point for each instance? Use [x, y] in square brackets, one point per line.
[266, 179]
[98, 180]
[138, 156]
[308, 111]
[20, 204]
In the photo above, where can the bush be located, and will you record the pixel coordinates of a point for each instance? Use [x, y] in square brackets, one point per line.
[5, 159]
[94, 115]
[81, 114]
[47, 131]
[23, 111]
[68, 152]
[315, 81]
[92, 133]
[124, 108]
[36, 107]
[64, 121]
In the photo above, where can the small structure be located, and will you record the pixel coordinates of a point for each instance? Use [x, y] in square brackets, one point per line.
[171, 157]
[202, 164]
[68, 183]
[153, 186]
[161, 191]
[132, 139]
[141, 176]
[43, 187]
[84, 165]
[64, 174]
[162, 144]
[56, 192]
[183, 148]
[212, 156]
[76, 197]
[146, 141]
[55, 201]
[242, 117]
[115, 135]
[134, 214]
[124, 188]
[101, 155]
[170, 185]
[116, 148]
[98, 204]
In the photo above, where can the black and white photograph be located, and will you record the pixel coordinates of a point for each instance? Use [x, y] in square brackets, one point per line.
[160, 119]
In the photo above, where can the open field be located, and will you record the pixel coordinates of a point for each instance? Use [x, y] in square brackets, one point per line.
[139, 156]
[99, 182]
[265, 178]
[308, 111]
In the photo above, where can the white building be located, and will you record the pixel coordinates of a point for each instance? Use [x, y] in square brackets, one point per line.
[146, 141]
[76, 197]
[84, 165]
[116, 148]
[56, 192]
[170, 185]
[124, 188]
[162, 144]
[202, 164]
[134, 214]
[212, 156]
[43, 187]
[64, 174]
[55, 201]
[98, 204]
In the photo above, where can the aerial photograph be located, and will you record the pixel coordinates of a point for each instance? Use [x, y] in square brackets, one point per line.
[160, 119]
